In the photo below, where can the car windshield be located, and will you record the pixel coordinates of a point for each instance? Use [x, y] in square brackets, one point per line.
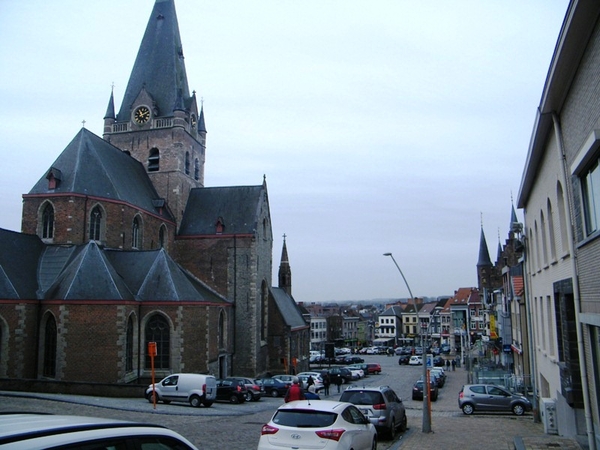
[362, 398]
[301, 418]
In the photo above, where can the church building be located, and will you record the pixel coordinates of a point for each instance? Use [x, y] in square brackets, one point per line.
[121, 245]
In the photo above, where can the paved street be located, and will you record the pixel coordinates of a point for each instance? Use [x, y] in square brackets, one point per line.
[237, 427]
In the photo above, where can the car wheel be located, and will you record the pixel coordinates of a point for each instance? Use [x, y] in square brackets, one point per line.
[274, 393]
[249, 396]
[392, 430]
[518, 410]
[234, 399]
[150, 397]
[403, 424]
[195, 401]
[467, 409]
[207, 404]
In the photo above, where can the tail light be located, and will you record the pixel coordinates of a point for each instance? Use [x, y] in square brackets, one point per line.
[239, 388]
[379, 406]
[334, 435]
[268, 429]
[461, 394]
[204, 389]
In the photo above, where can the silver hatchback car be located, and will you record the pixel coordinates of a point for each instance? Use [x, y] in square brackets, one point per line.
[489, 397]
[381, 405]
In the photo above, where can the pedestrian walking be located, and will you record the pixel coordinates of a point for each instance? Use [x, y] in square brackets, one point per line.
[448, 364]
[338, 381]
[326, 382]
[294, 392]
[453, 365]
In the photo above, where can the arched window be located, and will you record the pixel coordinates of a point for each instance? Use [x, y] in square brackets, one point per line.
[544, 239]
[562, 219]
[95, 223]
[129, 346]
[222, 326]
[153, 160]
[158, 330]
[187, 163]
[48, 222]
[50, 338]
[162, 236]
[551, 236]
[196, 169]
[136, 239]
[264, 308]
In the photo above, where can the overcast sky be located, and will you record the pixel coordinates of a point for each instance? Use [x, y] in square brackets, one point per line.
[381, 126]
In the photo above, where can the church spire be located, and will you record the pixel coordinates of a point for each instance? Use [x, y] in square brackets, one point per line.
[159, 66]
[484, 254]
[285, 271]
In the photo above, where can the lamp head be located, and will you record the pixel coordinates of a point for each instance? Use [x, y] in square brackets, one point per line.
[387, 254]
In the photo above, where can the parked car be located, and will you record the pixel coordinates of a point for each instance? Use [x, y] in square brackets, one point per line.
[324, 424]
[360, 366]
[381, 405]
[317, 382]
[286, 378]
[233, 391]
[439, 370]
[415, 360]
[403, 359]
[343, 372]
[445, 349]
[28, 430]
[193, 388]
[437, 378]
[373, 368]
[489, 397]
[417, 392]
[273, 387]
[352, 359]
[438, 361]
[254, 390]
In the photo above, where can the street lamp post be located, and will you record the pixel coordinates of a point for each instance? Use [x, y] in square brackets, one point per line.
[426, 404]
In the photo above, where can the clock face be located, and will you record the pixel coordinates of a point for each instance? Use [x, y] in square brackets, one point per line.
[141, 115]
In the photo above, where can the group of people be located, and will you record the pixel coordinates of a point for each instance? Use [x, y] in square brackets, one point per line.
[295, 391]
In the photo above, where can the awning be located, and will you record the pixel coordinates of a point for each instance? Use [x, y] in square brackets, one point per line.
[516, 349]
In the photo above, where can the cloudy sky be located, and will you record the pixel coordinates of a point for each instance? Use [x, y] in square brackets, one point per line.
[381, 126]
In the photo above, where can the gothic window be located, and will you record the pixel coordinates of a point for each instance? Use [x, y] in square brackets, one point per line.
[95, 224]
[196, 169]
[562, 219]
[187, 163]
[162, 236]
[158, 330]
[136, 238]
[50, 338]
[153, 160]
[264, 300]
[551, 236]
[48, 222]
[222, 328]
[129, 346]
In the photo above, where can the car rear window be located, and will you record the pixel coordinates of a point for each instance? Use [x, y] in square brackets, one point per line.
[304, 418]
[362, 397]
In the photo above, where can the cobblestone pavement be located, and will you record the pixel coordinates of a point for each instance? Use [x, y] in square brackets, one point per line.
[237, 427]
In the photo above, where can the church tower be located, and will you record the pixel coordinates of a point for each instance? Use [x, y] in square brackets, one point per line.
[285, 271]
[159, 122]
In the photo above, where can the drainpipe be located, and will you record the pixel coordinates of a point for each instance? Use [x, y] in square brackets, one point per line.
[589, 425]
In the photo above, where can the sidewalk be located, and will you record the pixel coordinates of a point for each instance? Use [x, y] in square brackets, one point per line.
[451, 429]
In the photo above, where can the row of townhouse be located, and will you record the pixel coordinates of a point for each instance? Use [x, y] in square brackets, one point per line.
[542, 298]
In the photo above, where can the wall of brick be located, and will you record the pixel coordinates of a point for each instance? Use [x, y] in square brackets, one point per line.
[71, 222]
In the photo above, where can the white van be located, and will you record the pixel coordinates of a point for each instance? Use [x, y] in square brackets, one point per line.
[192, 388]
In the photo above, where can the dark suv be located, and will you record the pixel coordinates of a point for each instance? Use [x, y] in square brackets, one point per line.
[381, 405]
[233, 391]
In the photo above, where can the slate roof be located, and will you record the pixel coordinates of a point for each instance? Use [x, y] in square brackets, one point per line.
[91, 166]
[392, 311]
[288, 308]
[19, 254]
[159, 66]
[484, 254]
[30, 269]
[238, 207]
